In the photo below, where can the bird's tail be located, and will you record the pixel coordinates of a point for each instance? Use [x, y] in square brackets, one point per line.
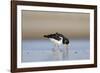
[46, 36]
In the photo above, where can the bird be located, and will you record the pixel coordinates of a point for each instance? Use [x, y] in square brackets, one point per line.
[59, 39]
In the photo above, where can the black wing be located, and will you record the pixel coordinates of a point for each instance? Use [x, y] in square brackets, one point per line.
[54, 36]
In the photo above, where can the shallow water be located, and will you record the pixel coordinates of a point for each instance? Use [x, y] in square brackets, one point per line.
[42, 50]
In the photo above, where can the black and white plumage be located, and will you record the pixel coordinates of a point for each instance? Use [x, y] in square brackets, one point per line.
[59, 39]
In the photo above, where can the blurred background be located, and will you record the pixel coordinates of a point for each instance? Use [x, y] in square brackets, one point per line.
[35, 24]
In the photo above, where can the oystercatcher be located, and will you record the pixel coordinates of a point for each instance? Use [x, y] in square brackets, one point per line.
[58, 39]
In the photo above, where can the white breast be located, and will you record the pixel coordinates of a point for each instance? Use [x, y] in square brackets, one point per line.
[56, 41]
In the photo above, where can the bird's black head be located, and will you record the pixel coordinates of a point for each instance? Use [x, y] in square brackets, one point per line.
[66, 41]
